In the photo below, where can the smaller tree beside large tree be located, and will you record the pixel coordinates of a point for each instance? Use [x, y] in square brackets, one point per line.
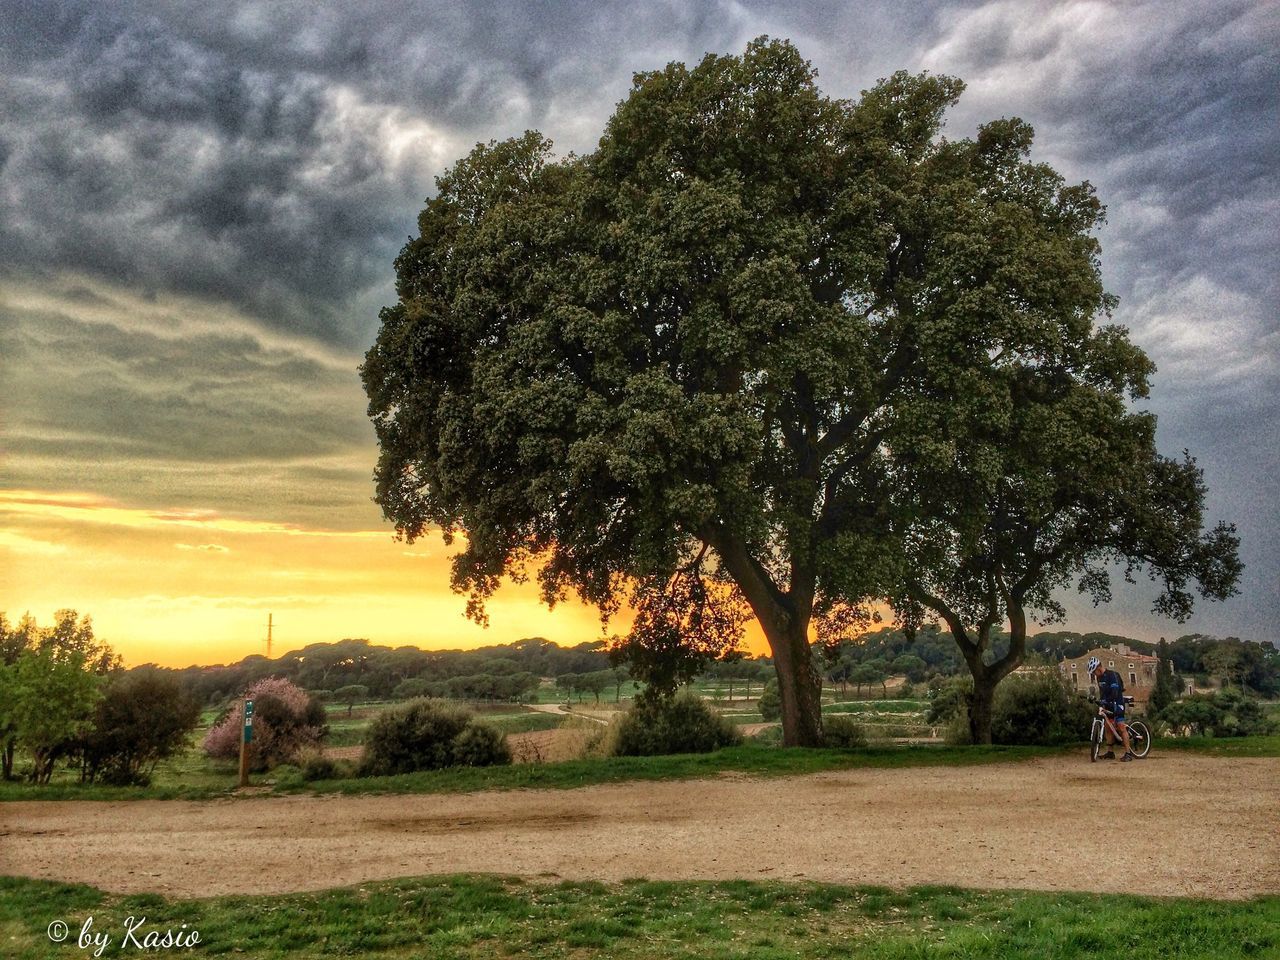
[1035, 475]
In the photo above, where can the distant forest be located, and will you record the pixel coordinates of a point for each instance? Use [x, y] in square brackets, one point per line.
[512, 671]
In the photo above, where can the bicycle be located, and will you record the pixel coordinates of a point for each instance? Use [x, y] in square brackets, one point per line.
[1139, 734]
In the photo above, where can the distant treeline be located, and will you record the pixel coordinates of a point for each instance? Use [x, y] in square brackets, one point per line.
[498, 672]
[513, 671]
[1252, 666]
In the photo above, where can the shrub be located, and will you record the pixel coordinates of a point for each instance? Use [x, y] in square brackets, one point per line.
[771, 702]
[948, 699]
[1225, 713]
[144, 717]
[286, 720]
[428, 735]
[480, 745]
[839, 731]
[281, 732]
[682, 723]
[1039, 710]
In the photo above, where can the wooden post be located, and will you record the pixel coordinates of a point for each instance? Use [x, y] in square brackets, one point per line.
[246, 737]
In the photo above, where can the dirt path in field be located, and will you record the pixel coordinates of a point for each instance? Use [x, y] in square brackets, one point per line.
[1174, 825]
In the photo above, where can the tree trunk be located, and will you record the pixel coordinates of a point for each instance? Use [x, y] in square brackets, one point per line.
[785, 621]
[798, 686]
[984, 688]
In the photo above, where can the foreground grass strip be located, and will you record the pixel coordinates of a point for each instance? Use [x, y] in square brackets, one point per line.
[476, 916]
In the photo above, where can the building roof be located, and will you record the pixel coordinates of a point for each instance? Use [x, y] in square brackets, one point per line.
[1103, 653]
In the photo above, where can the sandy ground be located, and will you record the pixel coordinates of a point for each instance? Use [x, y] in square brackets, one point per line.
[1173, 826]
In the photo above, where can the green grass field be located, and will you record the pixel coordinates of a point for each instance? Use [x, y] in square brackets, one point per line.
[477, 917]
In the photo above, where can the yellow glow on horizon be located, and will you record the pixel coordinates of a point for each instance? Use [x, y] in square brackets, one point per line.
[181, 587]
[178, 587]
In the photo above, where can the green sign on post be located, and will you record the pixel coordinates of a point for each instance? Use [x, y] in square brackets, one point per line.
[246, 735]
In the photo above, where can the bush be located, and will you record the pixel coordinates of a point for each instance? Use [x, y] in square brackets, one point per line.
[949, 699]
[682, 723]
[481, 745]
[771, 702]
[1225, 713]
[286, 720]
[144, 717]
[1039, 710]
[281, 732]
[428, 735]
[845, 732]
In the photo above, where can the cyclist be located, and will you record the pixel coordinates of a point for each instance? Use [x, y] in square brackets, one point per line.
[1111, 696]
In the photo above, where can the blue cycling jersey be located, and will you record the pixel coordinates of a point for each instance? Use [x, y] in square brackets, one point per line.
[1111, 691]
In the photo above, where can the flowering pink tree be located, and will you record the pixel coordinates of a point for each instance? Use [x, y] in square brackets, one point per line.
[286, 719]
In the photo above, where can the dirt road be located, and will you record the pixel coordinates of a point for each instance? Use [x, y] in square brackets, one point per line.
[1172, 825]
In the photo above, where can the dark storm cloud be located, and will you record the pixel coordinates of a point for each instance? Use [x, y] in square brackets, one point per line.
[274, 155]
[271, 157]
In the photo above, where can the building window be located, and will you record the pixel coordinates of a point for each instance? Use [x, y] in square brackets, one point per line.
[1131, 666]
[1075, 679]
[1133, 679]
[1111, 663]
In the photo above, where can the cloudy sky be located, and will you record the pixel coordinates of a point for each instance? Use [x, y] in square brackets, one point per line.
[200, 203]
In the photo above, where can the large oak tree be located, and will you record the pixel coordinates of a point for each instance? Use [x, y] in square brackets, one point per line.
[685, 356]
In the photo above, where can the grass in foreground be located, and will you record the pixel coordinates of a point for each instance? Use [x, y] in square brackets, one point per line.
[480, 916]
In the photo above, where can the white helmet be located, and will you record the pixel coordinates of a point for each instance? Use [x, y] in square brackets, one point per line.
[1094, 664]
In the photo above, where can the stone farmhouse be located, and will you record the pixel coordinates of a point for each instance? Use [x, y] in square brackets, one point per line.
[1137, 670]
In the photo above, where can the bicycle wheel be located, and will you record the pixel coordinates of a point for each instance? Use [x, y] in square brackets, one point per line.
[1139, 738]
[1095, 741]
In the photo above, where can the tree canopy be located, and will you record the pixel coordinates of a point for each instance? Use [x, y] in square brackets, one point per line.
[697, 355]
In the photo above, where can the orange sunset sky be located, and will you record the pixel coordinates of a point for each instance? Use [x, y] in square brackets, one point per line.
[188, 586]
